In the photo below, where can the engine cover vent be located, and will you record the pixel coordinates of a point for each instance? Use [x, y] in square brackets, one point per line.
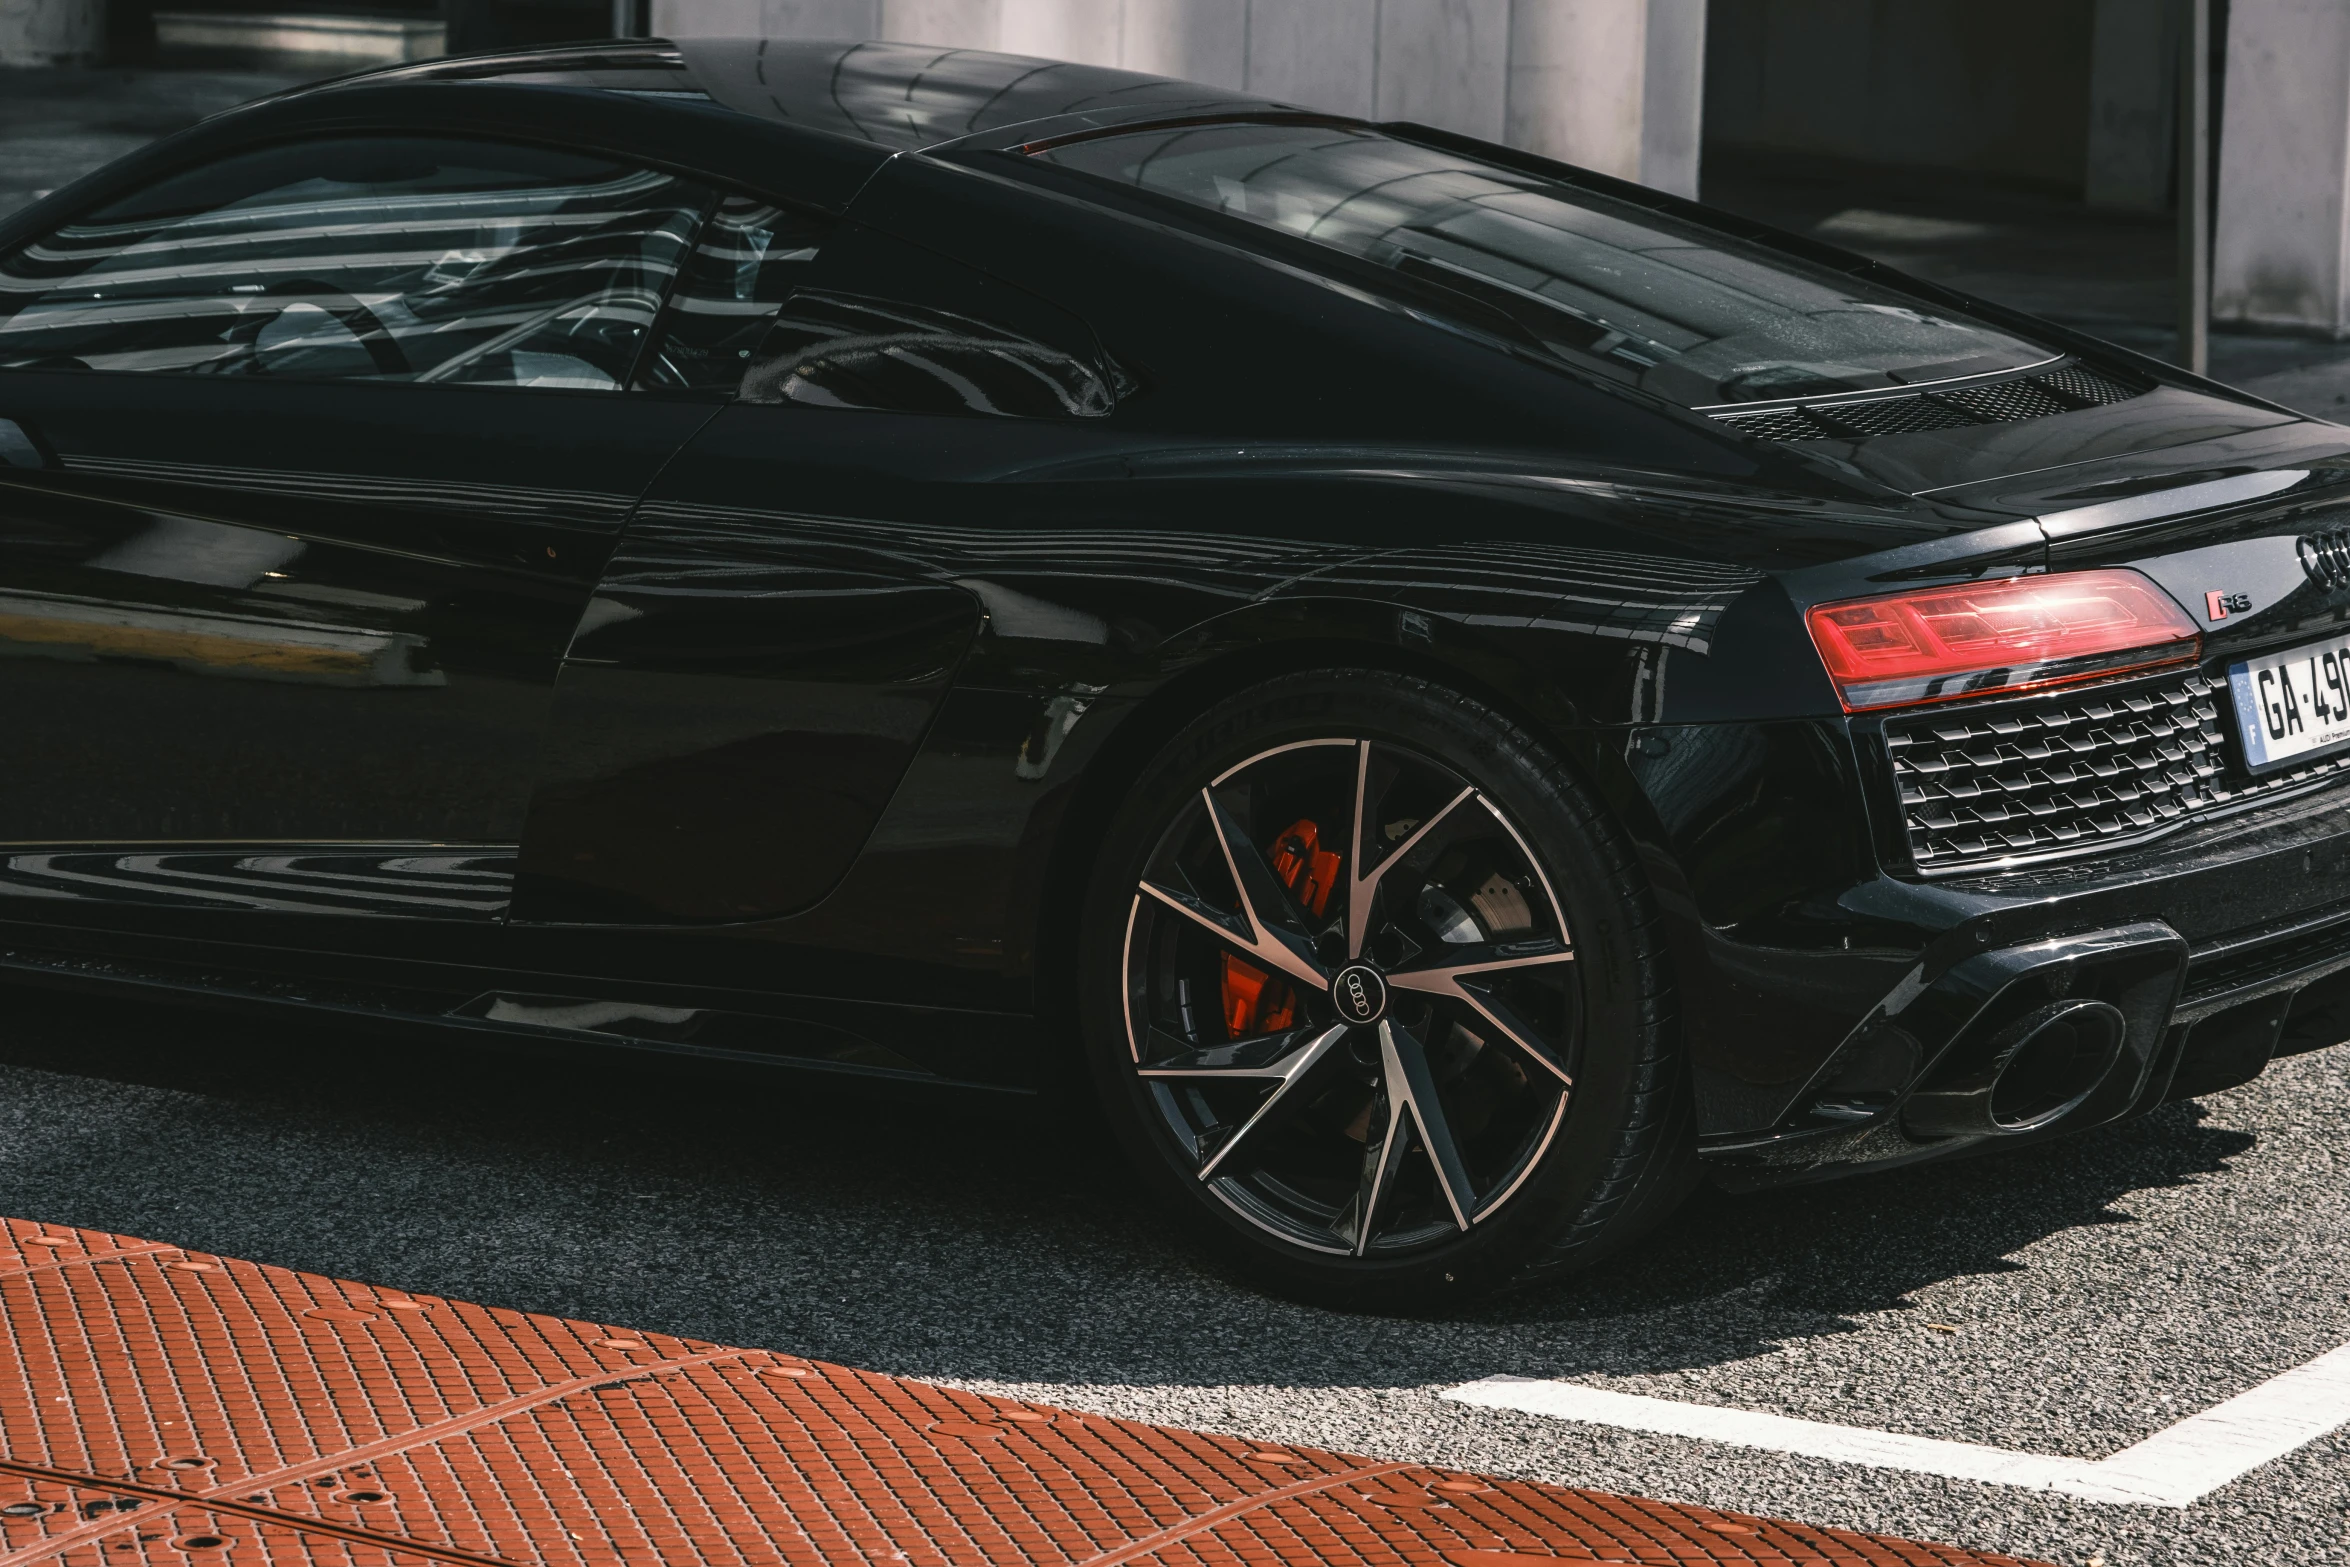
[2035, 396]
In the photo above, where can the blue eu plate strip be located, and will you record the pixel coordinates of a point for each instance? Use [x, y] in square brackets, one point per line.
[2248, 714]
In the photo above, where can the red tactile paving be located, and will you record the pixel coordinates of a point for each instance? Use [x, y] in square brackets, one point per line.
[163, 1408]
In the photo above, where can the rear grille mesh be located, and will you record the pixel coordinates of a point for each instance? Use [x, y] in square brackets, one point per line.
[2087, 388]
[1992, 402]
[2007, 402]
[1892, 416]
[1780, 424]
[2088, 765]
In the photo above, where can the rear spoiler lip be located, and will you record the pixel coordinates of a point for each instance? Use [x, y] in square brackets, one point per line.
[2177, 501]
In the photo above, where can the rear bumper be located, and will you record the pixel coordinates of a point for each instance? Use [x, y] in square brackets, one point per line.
[2226, 945]
[2256, 995]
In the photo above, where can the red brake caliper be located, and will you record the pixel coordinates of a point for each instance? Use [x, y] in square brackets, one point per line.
[1254, 1001]
[1304, 866]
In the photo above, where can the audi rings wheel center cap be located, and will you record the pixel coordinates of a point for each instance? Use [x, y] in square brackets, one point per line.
[1359, 994]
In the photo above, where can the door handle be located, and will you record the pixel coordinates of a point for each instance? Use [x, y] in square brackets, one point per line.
[17, 449]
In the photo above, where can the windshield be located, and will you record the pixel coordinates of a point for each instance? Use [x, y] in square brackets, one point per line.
[1689, 314]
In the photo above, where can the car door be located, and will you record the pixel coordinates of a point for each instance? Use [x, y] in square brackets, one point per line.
[311, 458]
[780, 626]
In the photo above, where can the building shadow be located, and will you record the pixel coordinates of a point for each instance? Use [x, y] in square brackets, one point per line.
[951, 1237]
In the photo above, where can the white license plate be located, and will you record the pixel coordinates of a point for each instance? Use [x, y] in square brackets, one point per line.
[2292, 704]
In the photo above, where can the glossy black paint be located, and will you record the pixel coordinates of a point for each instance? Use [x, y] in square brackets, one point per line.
[245, 611]
[793, 725]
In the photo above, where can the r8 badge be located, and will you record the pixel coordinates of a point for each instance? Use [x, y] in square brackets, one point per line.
[2219, 606]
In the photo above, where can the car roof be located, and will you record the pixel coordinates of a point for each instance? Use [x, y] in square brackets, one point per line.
[900, 97]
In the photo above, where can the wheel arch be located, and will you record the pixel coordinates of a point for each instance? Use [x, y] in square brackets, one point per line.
[1246, 648]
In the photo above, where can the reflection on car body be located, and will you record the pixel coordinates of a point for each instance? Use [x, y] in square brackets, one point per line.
[838, 351]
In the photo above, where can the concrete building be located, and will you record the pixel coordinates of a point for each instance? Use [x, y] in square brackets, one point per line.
[2068, 93]
[2073, 97]
[52, 32]
[1612, 84]
[2281, 257]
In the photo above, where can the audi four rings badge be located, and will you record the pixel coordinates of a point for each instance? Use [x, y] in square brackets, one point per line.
[1359, 993]
[2326, 557]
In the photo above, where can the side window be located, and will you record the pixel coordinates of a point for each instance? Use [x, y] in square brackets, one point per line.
[886, 324]
[843, 351]
[362, 258]
[749, 259]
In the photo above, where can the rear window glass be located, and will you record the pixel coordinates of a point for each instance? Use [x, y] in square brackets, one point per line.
[1689, 314]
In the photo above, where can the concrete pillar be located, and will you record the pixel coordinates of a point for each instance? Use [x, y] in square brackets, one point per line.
[854, 19]
[52, 32]
[1197, 40]
[846, 19]
[2133, 100]
[1445, 62]
[1673, 104]
[1320, 53]
[1614, 85]
[1091, 32]
[2282, 257]
[959, 24]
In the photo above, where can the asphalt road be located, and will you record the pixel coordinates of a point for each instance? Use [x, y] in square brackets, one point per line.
[2101, 1288]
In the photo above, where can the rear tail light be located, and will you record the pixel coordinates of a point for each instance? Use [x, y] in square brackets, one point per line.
[1940, 643]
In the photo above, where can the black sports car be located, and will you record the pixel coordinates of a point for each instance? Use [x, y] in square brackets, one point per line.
[1462, 692]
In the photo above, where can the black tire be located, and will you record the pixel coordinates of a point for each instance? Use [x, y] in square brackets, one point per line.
[1419, 1230]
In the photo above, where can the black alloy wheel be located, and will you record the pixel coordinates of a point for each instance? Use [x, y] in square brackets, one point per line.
[1374, 990]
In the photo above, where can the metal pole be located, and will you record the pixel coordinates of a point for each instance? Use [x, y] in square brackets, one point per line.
[2195, 186]
[624, 21]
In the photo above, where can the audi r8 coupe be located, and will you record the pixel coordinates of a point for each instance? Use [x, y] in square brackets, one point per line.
[1460, 695]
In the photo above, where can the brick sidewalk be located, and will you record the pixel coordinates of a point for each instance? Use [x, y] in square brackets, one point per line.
[164, 1407]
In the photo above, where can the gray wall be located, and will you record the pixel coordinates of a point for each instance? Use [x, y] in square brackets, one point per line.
[1612, 84]
[2282, 257]
[52, 32]
[1439, 60]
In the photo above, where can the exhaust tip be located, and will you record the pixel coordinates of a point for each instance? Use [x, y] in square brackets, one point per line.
[2031, 1074]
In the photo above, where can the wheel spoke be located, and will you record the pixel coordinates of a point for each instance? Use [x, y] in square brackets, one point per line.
[1413, 1105]
[1264, 946]
[1288, 1072]
[1264, 903]
[1362, 889]
[1404, 1062]
[1471, 958]
[1381, 1159]
[1520, 1034]
[1258, 1056]
[1558, 915]
[1446, 981]
[1517, 1033]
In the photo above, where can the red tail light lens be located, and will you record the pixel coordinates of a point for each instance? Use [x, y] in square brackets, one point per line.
[1941, 643]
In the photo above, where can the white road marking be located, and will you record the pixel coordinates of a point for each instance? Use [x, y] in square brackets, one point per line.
[2175, 1467]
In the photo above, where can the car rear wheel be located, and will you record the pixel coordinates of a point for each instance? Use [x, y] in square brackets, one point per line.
[1374, 992]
